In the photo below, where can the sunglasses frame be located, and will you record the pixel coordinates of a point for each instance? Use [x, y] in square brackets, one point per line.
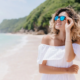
[60, 18]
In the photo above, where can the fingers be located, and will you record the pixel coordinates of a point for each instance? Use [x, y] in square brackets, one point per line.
[70, 20]
[76, 68]
[67, 20]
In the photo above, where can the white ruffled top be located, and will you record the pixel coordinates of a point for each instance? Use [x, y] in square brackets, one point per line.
[55, 56]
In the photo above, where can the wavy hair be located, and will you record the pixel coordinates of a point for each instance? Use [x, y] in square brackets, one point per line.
[75, 30]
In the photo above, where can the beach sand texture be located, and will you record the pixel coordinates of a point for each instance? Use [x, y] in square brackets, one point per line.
[22, 65]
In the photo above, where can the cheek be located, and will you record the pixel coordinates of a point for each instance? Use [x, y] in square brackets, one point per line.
[64, 22]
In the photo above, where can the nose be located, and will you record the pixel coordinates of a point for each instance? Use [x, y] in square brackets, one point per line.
[58, 19]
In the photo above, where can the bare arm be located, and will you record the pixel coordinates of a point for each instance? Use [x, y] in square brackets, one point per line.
[69, 52]
[43, 68]
[52, 70]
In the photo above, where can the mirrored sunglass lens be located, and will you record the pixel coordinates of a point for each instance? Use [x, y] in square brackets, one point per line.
[62, 18]
[56, 17]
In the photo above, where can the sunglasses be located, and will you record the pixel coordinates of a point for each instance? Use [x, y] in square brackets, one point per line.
[61, 18]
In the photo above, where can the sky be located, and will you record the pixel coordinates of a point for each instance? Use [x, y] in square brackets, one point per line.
[14, 9]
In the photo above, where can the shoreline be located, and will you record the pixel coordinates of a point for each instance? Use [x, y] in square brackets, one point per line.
[24, 34]
[16, 47]
[4, 68]
[22, 64]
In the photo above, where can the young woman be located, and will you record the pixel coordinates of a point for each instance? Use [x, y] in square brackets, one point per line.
[57, 50]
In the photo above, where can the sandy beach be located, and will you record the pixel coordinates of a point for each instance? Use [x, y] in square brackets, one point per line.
[22, 64]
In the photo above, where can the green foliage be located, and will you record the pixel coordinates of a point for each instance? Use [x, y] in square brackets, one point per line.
[39, 17]
[42, 14]
[12, 25]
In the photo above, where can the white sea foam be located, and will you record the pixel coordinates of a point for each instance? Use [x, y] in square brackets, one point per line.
[23, 41]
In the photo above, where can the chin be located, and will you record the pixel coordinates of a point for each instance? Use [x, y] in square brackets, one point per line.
[57, 27]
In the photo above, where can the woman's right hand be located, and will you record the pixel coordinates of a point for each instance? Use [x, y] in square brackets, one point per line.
[73, 69]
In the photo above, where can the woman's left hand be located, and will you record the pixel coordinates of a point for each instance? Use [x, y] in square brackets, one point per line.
[69, 23]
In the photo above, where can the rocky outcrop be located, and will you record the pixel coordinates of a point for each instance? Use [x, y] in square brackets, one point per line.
[22, 30]
[35, 32]
[40, 32]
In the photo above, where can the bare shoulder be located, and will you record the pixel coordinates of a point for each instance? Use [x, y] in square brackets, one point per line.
[46, 39]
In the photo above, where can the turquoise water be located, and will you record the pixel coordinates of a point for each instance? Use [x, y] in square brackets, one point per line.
[10, 41]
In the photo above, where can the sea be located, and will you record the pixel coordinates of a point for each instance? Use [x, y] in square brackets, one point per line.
[11, 42]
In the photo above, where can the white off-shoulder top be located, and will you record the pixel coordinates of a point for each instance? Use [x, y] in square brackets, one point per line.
[55, 56]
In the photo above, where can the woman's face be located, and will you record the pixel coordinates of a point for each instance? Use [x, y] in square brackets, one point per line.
[60, 25]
